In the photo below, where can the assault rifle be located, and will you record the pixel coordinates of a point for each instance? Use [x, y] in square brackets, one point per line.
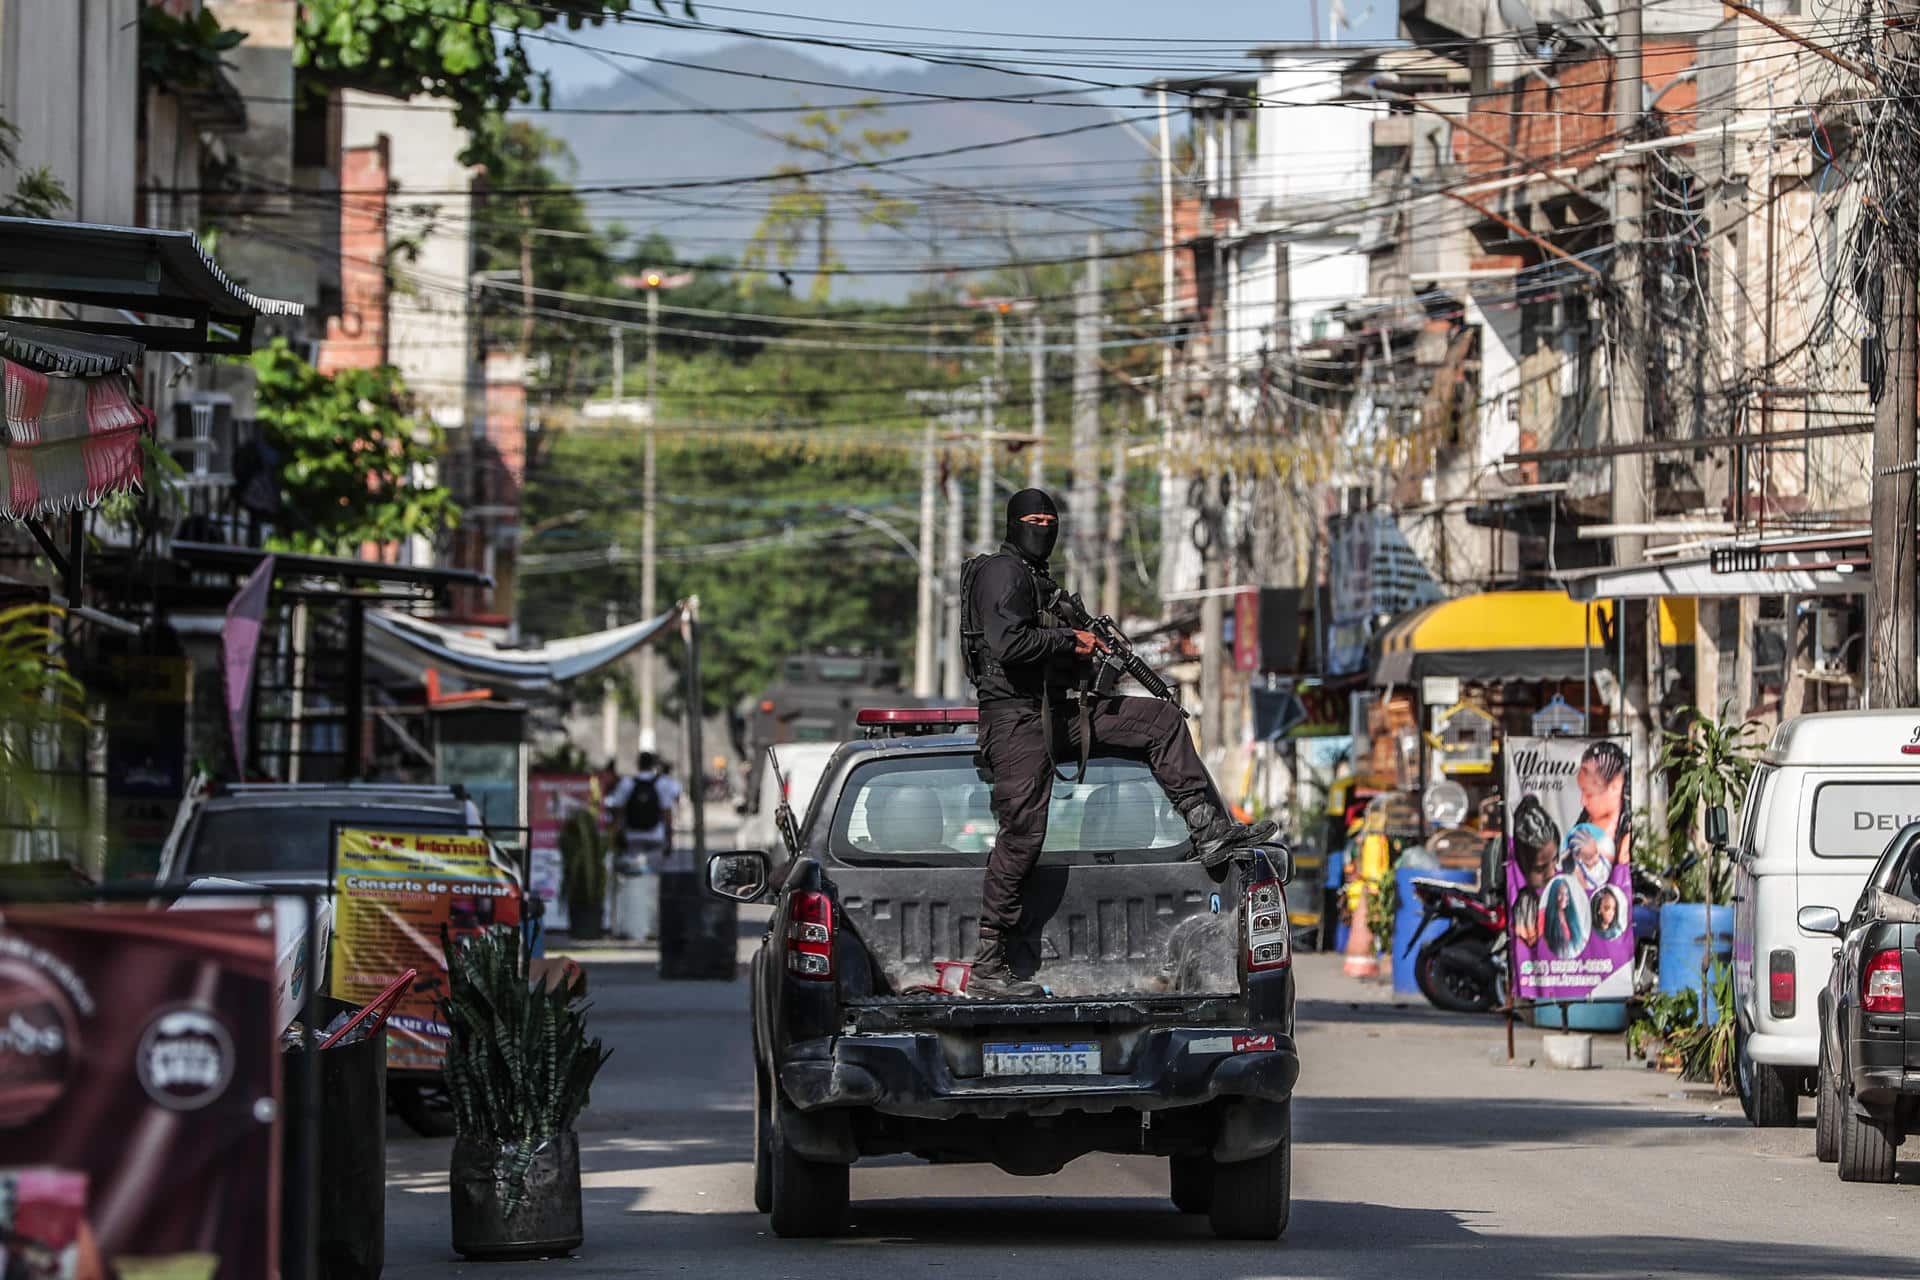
[1115, 651]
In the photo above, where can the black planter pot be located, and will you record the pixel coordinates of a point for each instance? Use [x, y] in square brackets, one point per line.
[583, 921]
[545, 1224]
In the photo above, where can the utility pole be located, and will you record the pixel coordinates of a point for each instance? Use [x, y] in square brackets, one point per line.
[649, 562]
[1037, 376]
[1626, 398]
[1116, 528]
[927, 623]
[1081, 501]
[952, 679]
[983, 537]
[1165, 401]
[1892, 675]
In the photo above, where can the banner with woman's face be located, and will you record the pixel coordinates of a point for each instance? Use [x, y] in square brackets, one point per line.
[1569, 874]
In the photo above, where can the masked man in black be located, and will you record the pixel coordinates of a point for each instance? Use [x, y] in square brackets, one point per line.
[1025, 662]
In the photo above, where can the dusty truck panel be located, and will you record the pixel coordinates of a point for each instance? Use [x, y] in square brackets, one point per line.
[1097, 931]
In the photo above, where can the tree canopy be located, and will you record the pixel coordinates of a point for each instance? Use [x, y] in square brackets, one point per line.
[355, 463]
[472, 53]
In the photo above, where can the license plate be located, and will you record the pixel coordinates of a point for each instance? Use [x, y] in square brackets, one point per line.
[1040, 1059]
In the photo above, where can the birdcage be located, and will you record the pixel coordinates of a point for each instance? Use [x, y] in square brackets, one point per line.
[1463, 738]
[1558, 717]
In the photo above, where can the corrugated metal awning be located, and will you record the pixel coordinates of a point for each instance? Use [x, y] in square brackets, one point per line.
[141, 269]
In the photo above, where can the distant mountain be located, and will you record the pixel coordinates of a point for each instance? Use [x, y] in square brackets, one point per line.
[967, 202]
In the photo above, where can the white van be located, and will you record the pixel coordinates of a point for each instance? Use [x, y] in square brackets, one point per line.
[802, 763]
[1830, 792]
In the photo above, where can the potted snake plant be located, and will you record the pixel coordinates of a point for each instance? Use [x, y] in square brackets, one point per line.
[519, 1070]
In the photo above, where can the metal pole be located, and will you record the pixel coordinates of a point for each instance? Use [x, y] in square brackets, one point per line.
[1082, 502]
[696, 744]
[356, 660]
[649, 482]
[1166, 401]
[1116, 529]
[1626, 393]
[1037, 376]
[619, 367]
[926, 615]
[951, 682]
[983, 537]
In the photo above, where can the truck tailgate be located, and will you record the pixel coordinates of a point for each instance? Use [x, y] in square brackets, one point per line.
[1116, 930]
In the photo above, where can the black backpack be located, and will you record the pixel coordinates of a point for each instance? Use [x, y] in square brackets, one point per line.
[643, 803]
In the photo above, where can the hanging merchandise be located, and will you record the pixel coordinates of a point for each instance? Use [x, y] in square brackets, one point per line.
[1463, 737]
[1558, 717]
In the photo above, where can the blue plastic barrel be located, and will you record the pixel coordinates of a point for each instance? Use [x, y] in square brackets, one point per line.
[1406, 919]
[1683, 943]
[1583, 1015]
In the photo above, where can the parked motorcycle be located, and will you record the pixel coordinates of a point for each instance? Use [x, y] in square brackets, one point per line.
[1462, 969]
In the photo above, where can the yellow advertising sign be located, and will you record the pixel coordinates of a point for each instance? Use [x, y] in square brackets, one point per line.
[394, 891]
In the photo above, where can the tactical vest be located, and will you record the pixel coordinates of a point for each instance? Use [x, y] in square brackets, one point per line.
[974, 651]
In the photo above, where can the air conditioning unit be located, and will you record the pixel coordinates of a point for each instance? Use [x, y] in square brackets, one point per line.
[1831, 628]
[203, 437]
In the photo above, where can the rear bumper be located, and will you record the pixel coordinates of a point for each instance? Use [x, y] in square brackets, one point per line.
[911, 1075]
[1785, 1050]
[1882, 1087]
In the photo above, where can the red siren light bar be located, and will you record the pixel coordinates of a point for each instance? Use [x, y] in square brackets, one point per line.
[914, 717]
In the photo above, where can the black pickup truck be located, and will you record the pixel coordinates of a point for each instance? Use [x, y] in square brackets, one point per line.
[1868, 1083]
[1166, 1030]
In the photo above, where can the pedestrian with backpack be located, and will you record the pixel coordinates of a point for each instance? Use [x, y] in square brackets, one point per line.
[640, 812]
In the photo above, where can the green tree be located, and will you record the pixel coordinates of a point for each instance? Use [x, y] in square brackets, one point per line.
[36, 193]
[352, 452]
[803, 206]
[37, 696]
[536, 232]
[471, 53]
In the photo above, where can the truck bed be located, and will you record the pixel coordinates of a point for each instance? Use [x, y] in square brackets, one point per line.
[1116, 932]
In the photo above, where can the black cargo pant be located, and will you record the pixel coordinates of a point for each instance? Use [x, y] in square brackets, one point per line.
[1013, 741]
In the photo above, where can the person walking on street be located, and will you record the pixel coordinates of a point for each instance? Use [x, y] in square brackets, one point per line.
[1025, 665]
[640, 810]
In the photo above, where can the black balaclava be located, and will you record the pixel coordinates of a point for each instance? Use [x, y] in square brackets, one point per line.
[1034, 542]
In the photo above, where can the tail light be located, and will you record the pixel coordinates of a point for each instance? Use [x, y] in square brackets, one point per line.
[1267, 943]
[810, 937]
[1780, 983]
[1882, 989]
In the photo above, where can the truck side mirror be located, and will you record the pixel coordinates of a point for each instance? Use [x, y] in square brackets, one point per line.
[741, 876]
[1717, 826]
[1824, 920]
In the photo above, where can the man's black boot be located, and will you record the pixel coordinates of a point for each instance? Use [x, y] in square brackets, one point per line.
[993, 978]
[1217, 837]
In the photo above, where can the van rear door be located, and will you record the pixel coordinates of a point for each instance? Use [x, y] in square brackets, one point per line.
[1848, 818]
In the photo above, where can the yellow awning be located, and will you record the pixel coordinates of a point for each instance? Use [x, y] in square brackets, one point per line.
[1511, 635]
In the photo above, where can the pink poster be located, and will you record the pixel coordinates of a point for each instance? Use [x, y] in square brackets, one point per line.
[239, 644]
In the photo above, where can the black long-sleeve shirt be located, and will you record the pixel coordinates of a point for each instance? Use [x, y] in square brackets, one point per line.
[1019, 649]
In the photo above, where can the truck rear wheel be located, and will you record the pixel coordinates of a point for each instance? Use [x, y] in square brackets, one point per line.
[1826, 1114]
[762, 1146]
[1251, 1198]
[1192, 1178]
[1866, 1148]
[809, 1198]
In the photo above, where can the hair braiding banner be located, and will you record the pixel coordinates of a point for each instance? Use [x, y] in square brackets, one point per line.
[1569, 869]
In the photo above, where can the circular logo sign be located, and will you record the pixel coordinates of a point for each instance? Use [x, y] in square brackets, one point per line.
[185, 1059]
[37, 1044]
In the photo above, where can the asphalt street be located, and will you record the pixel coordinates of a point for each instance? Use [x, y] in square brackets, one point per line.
[1420, 1153]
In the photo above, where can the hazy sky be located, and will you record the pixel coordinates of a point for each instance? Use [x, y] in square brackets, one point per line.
[1208, 34]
